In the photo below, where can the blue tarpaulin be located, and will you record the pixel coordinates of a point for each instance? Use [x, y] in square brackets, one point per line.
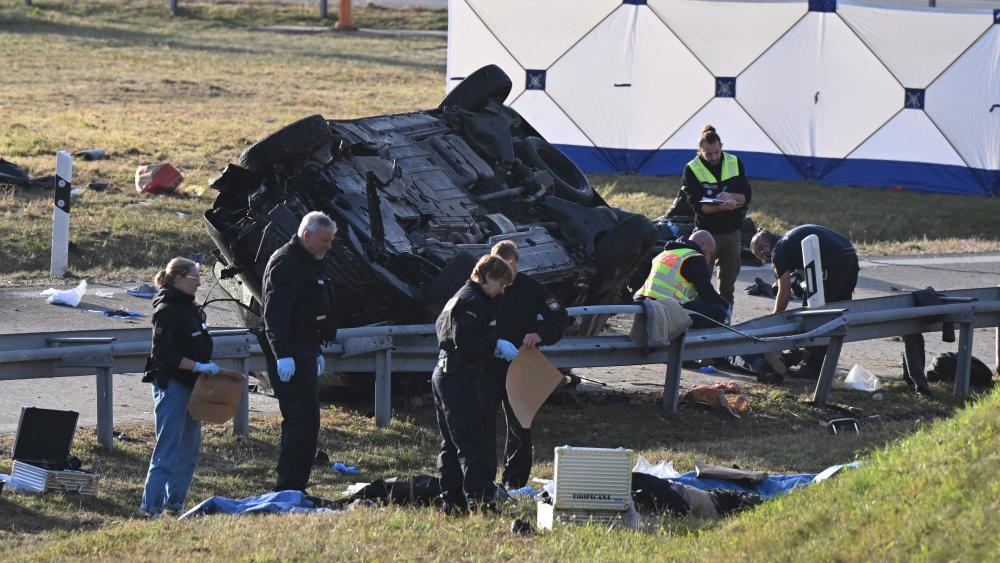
[282, 501]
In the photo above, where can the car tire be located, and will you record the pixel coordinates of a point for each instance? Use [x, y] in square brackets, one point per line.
[625, 244]
[286, 143]
[570, 183]
[472, 93]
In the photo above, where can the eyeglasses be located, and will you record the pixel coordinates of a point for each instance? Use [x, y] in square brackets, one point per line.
[192, 277]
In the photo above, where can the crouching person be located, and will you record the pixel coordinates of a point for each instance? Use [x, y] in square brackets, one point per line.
[466, 332]
[182, 348]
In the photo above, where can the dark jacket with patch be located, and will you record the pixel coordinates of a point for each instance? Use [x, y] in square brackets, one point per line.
[466, 331]
[179, 331]
[518, 307]
[297, 302]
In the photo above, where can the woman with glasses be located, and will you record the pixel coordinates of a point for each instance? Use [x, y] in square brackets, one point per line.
[182, 348]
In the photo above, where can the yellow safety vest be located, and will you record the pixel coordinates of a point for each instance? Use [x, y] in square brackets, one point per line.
[665, 279]
[730, 169]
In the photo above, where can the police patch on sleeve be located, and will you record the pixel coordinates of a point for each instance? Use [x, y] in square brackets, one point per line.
[553, 304]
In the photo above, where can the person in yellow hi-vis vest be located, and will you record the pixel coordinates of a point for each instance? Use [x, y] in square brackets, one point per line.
[718, 191]
[681, 273]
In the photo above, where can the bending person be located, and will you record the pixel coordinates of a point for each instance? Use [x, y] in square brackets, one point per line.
[182, 348]
[840, 270]
[517, 312]
[681, 272]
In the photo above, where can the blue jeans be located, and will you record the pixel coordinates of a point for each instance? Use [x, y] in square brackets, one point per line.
[178, 441]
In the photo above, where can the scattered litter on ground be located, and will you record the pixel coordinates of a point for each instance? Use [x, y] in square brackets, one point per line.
[521, 491]
[707, 369]
[91, 154]
[144, 290]
[726, 396]
[663, 470]
[760, 288]
[157, 178]
[181, 214]
[122, 313]
[860, 379]
[97, 186]
[70, 297]
[74, 192]
[136, 203]
[341, 468]
[841, 425]
[13, 174]
[105, 294]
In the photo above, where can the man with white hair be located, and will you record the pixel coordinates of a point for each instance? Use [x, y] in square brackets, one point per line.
[297, 309]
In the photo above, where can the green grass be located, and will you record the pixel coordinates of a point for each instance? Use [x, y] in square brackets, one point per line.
[198, 88]
[932, 495]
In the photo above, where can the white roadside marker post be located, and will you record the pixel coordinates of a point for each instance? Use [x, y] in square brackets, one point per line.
[815, 297]
[60, 215]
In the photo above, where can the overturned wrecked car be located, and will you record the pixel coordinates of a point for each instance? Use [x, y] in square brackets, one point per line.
[417, 198]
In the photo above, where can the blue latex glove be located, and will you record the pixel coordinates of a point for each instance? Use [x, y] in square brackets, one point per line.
[286, 369]
[320, 365]
[344, 468]
[210, 368]
[505, 350]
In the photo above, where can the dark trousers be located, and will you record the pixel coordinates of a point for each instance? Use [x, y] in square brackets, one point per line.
[840, 279]
[298, 400]
[713, 311]
[518, 447]
[464, 462]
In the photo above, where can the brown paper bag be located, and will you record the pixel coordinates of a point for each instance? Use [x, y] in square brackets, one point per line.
[531, 378]
[215, 398]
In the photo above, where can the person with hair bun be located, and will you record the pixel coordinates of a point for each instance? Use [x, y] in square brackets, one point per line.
[181, 349]
[716, 187]
[467, 337]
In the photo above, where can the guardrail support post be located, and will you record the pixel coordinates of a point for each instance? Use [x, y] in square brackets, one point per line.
[829, 368]
[241, 424]
[383, 388]
[105, 408]
[672, 382]
[963, 359]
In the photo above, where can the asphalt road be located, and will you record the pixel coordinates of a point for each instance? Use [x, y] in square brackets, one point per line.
[23, 310]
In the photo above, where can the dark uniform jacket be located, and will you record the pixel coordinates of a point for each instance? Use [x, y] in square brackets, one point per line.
[786, 256]
[466, 331]
[179, 331]
[297, 302]
[697, 273]
[518, 307]
[724, 221]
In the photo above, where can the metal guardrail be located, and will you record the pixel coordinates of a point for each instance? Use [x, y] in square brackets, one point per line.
[413, 348]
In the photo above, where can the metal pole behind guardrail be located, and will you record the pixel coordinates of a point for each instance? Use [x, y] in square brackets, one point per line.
[829, 368]
[60, 215]
[241, 423]
[172, 5]
[322, 9]
[672, 381]
[105, 408]
[963, 359]
[383, 387]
